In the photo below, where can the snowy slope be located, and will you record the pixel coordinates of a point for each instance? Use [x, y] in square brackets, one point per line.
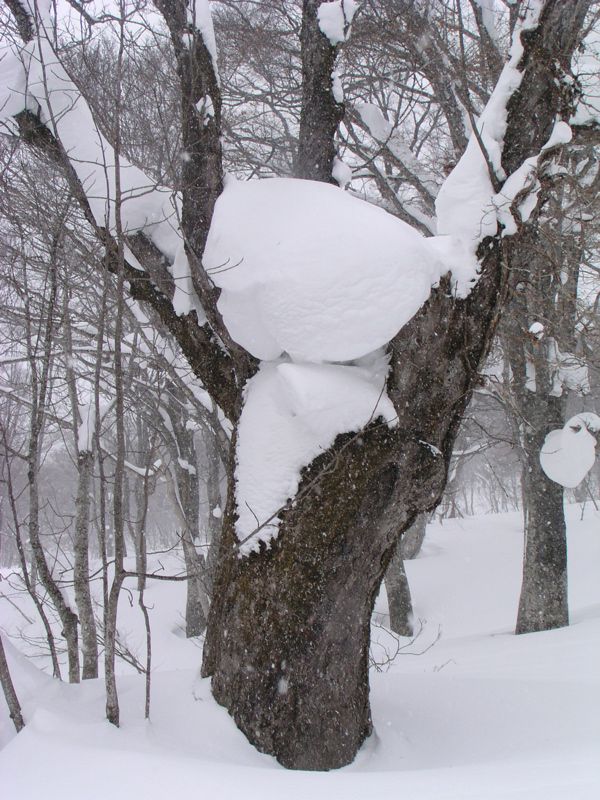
[482, 714]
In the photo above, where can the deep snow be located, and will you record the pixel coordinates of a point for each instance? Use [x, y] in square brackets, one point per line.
[481, 714]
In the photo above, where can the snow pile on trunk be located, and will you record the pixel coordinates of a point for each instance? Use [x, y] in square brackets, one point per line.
[292, 414]
[335, 19]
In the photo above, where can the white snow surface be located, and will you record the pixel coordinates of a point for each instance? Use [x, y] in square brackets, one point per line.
[537, 330]
[335, 19]
[309, 270]
[481, 715]
[569, 454]
[292, 413]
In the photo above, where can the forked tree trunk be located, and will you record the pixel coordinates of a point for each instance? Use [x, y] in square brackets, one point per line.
[288, 637]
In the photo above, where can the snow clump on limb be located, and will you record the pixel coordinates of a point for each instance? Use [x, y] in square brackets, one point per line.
[336, 18]
[311, 271]
[568, 454]
[292, 414]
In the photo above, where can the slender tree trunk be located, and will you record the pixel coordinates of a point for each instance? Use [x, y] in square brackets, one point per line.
[10, 695]
[396, 581]
[185, 496]
[110, 633]
[85, 463]
[81, 567]
[40, 385]
[196, 605]
[543, 603]
[412, 541]
[399, 597]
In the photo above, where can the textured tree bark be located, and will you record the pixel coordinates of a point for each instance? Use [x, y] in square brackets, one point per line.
[543, 602]
[287, 643]
[320, 113]
[412, 541]
[288, 635]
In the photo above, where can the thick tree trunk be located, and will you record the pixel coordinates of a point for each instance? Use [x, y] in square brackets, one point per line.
[288, 637]
[289, 641]
[321, 113]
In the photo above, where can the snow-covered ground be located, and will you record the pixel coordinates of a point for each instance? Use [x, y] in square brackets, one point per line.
[479, 714]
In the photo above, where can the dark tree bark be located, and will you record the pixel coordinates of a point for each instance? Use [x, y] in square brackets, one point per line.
[543, 602]
[320, 112]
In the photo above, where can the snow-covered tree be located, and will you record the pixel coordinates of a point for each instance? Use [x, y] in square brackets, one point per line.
[341, 345]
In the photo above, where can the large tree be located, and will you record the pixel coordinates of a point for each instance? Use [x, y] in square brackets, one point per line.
[288, 633]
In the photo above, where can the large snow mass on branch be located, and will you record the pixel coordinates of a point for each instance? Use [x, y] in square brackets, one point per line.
[568, 454]
[309, 270]
[292, 413]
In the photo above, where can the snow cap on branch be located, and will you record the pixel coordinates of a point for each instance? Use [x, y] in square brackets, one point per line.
[335, 19]
[569, 454]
